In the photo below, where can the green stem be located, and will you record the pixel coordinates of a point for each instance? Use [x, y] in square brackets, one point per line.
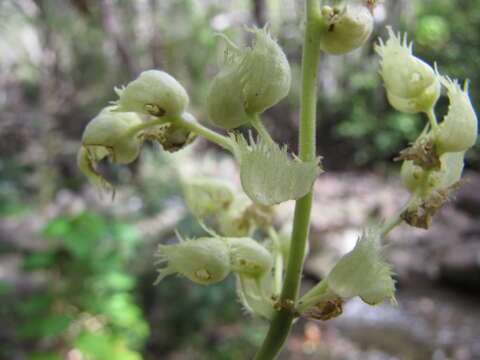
[432, 118]
[278, 275]
[262, 131]
[316, 294]
[144, 125]
[282, 320]
[397, 220]
[187, 121]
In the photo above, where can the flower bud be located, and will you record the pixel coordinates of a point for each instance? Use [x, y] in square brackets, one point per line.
[155, 93]
[206, 196]
[411, 84]
[248, 257]
[458, 131]
[204, 260]
[107, 135]
[268, 175]
[363, 272]
[251, 81]
[344, 31]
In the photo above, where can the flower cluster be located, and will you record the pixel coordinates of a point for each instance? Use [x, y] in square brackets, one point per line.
[119, 130]
[433, 165]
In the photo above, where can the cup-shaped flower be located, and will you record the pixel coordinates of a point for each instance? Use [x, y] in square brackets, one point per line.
[363, 272]
[248, 257]
[108, 134]
[155, 93]
[204, 260]
[412, 85]
[458, 131]
[251, 81]
[206, 196]
[344, 31]
[267, 173]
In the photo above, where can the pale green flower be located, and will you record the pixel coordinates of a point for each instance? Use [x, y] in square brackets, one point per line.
[204, 260]
[458, 131]
[412, 85]
[363, 272]
[250, 81]
[267, 173]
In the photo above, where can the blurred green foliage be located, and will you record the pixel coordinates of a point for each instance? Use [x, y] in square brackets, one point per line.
[87, 297]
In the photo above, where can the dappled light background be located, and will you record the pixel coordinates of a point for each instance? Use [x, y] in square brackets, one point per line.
[76, 271]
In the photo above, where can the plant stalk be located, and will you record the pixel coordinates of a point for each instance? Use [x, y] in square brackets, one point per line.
[282, 321]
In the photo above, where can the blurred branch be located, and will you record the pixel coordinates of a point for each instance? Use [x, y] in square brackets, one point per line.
[155, 41]
[259, 12]
[111, 26]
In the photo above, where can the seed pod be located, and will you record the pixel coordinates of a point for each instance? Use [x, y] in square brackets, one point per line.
[458, 131]
[248, 257]
[412, 85]
[204, 260]
[251, 81]
[342, 32]
[155, 93]
[363, 272]
[206, 196]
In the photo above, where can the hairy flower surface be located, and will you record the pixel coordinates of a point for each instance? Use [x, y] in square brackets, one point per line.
[363, 272]
[458, 131]
[412, 85]
[204, 260]
[267, 174]
[250, 81]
